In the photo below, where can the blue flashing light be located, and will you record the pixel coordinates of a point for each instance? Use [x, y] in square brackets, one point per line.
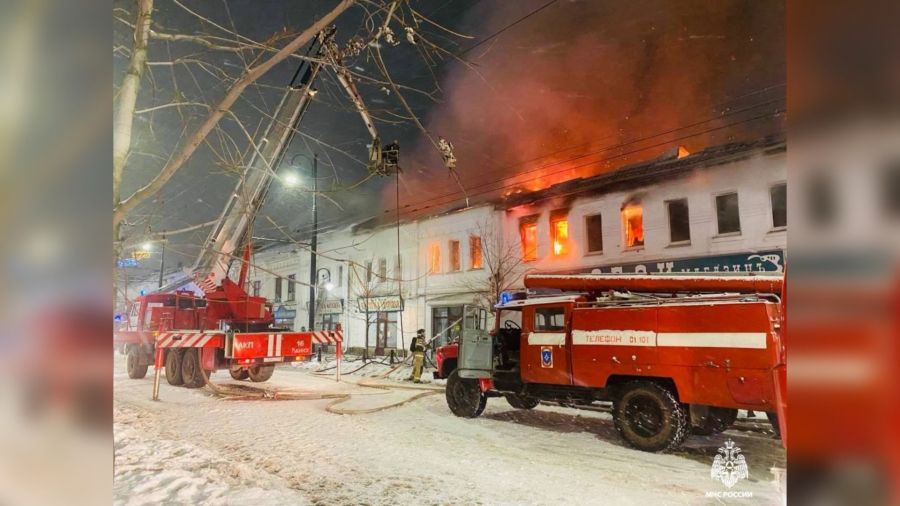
[505, 297]
[143, 292]
[118, 317]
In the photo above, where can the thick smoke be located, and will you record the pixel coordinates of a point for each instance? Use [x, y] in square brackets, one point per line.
[566, 92]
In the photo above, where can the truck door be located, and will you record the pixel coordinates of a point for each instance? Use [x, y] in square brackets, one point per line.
[544, 354]
[476, 348]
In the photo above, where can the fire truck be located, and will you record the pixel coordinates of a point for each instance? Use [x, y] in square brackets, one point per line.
[674, 355]
[225, 327]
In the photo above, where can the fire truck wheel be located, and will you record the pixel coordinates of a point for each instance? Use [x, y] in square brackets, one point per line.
[260, 373]
[173, 368]
[239, 373]
[716, 421]
[521, 401]
[464, 396]
[136, 370]
[650, 418]
[191, 373]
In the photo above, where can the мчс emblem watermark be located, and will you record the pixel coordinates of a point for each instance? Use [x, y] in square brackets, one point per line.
[729, 467]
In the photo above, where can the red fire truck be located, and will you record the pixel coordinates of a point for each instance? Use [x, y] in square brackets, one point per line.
[190, 334]
[674, 354]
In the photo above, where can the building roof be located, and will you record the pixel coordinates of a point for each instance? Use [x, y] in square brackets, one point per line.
[642, 174]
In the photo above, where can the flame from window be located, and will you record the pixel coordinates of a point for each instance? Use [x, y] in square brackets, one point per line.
[560, 237]
[633, 223]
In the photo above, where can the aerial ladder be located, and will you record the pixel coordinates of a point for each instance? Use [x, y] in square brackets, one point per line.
[190, 335]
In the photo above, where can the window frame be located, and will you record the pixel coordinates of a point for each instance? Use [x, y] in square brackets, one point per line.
[291, 288]
[715, 198]
[778, 228]
[587, 235]
[454, 248]
[687, 205]
[528, 221]
[382, 269]
[538, 311]
[623, 222]
[472, 249]
[557, 216]
[432, 248]
[277, 297]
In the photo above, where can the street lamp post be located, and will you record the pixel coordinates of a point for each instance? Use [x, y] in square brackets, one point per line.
[313, 241]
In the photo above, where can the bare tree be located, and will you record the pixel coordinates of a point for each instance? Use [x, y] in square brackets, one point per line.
[501, 261]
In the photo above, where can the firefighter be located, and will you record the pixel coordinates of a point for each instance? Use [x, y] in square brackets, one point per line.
[417, 347]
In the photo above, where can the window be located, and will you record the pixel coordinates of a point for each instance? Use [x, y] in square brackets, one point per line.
[475, 253]
[890, 194]
[369, 271]
[528, 236]
[633, 224]
[778, 196]
[340, 277]
[559, 232]
[292, 287]
[679, 221]
[549, 319]
[434, 258]
[593, 226]
[382, 269]
[454, 256]
[727, 213]
[256, 286]
[277, 289]
[821, 199]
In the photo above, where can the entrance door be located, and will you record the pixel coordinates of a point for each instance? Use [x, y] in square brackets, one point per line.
[383, 326]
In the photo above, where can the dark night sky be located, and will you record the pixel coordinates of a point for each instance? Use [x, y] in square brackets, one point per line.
[561, 94]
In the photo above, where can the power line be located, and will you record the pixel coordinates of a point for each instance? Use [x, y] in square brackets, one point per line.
[507, 27]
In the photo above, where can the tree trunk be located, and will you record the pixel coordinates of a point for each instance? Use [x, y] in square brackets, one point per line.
[217, 112]
[128, 93]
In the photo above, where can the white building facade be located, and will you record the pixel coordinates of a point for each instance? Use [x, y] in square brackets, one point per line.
[722, 210]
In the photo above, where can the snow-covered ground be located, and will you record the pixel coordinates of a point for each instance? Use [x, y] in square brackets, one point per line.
[196, 447]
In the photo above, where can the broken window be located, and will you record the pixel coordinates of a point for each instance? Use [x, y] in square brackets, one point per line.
[559, 232]
[454, 256]
[277, 289]
[256, 286]
[528, 237]
[727, 213]
[369, 271]
[549, 319]
[778, 196]
[593, 226]
[475, 253]
[633, 224]
[679, 221]
[340, 280]
[434, 258]
[292, 287]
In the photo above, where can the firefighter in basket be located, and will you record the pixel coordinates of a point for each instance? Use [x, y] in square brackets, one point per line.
[417, 347]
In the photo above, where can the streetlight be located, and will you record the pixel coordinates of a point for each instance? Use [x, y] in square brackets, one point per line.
[147, 246]
[291, 180]
[329, 286]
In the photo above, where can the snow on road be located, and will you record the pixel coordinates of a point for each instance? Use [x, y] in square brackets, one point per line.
[193, 447]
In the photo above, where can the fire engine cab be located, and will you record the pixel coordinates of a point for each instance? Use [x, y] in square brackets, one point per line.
[674, 355]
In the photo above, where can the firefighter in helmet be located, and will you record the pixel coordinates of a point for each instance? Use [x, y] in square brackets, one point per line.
[417, 347]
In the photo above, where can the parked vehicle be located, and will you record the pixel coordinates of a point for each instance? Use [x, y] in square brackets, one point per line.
[674, 355]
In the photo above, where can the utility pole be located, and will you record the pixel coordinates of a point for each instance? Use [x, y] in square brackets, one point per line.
[162, 261]
[312, 250]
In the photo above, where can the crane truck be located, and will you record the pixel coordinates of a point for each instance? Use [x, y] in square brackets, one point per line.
[674, 355]
[227, 328]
